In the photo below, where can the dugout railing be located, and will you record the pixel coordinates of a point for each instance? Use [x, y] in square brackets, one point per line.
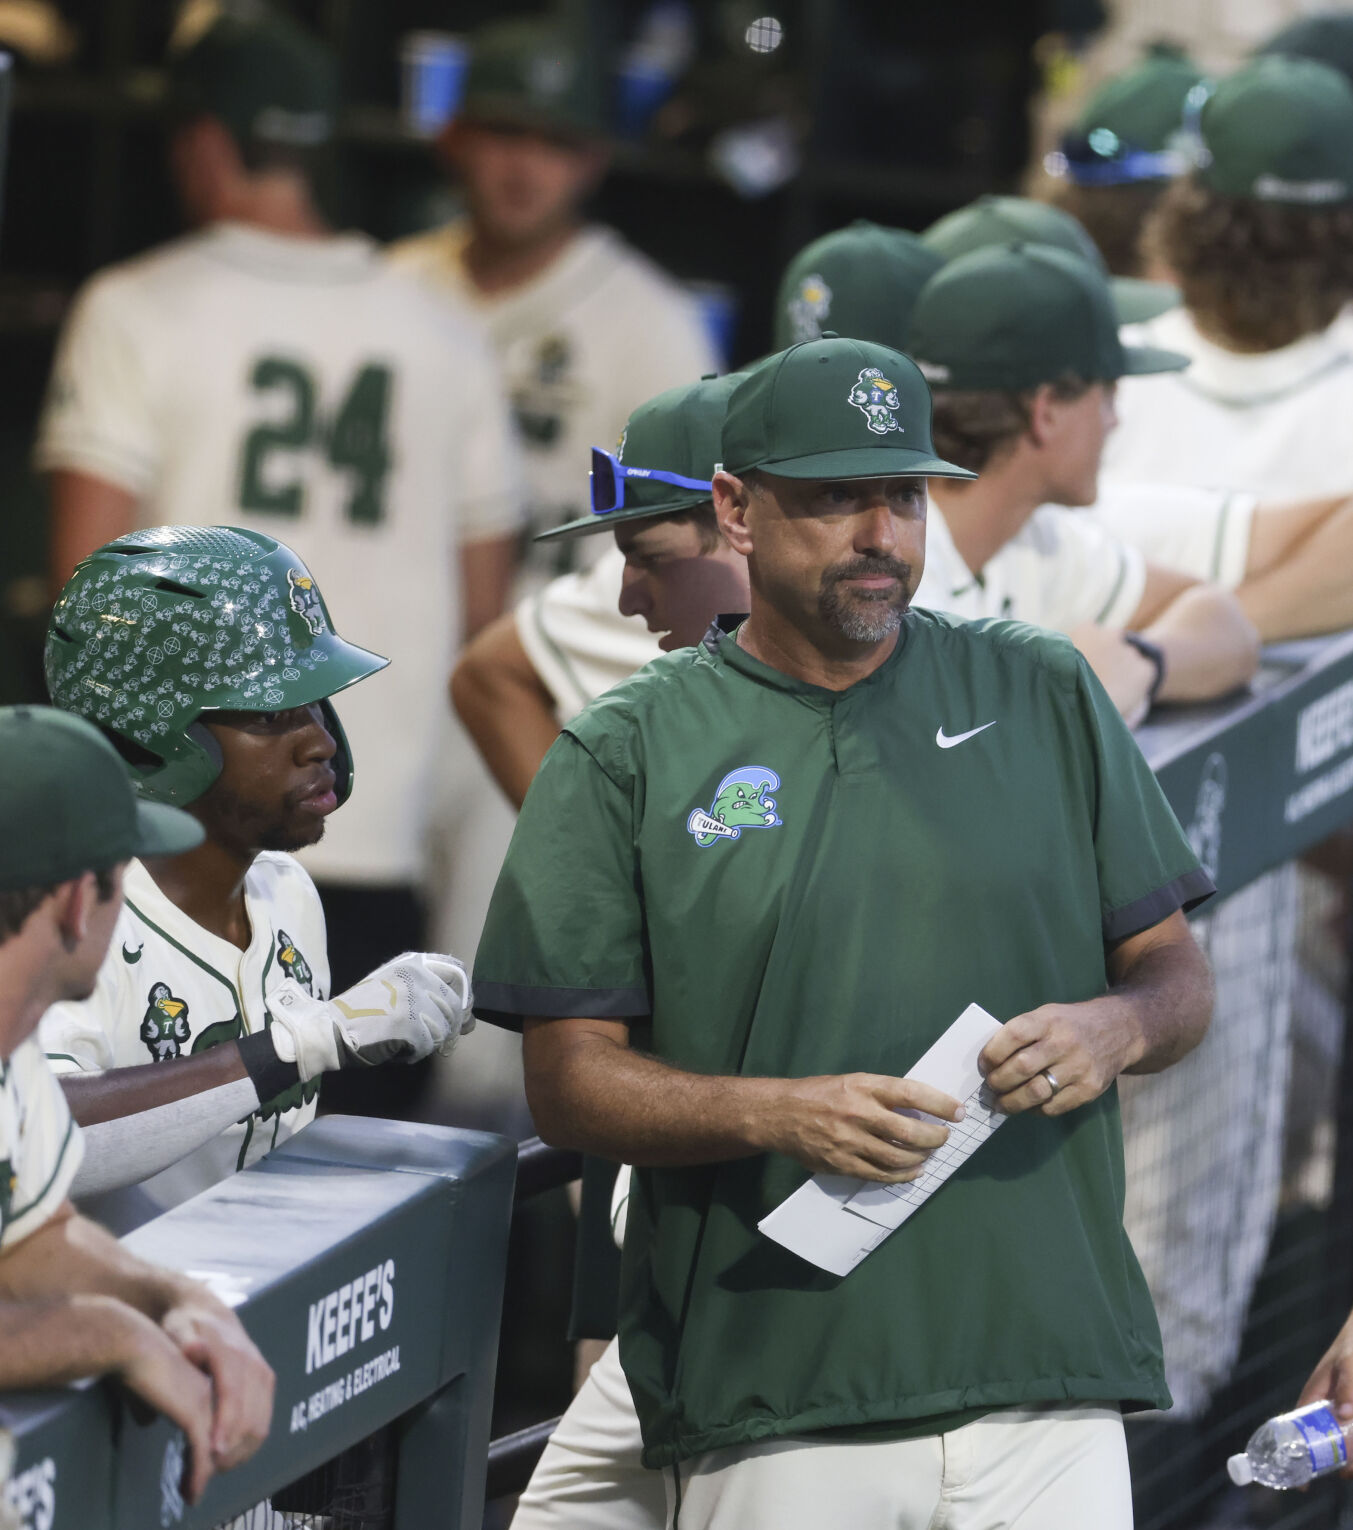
[366, 1260]
[1257, 783]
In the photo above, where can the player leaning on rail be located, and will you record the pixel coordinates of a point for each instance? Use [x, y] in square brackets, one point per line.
[788, 859]
[73, 1301]
[208, 657]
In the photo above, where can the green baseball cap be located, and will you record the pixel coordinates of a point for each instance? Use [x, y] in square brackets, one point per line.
[67, 804]
[1326, 37]
[1130, 129]
[833, 408]
[1003, 220]
[1280, 130]
[859, 281]
[263, 76]
[677, 434]
[1019, 315]
[532, 74]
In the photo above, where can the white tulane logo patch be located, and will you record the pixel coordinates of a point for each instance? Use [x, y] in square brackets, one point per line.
[876, 398]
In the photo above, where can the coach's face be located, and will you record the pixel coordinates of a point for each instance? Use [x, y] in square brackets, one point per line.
[276, 785]
[522, 187]
[679, 577]
[838, 559]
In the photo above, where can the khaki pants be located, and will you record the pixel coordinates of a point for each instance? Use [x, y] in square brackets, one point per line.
[1048, 1467]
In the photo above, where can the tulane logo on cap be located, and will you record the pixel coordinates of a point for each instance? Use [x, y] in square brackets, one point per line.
[809, 308]
[740, 803]
[305, 600]
[876, 398]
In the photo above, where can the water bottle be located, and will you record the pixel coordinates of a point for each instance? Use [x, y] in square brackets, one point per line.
[1293, 1448]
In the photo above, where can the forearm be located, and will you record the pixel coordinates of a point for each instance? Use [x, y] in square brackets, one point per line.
[72, 1256]
[505, 709]
[1309, 591]
[130, 1149]
[54, 1340]
[598, 1095]
[487, 567]
[1164, 996]
[124, 1092]
[1210, 645]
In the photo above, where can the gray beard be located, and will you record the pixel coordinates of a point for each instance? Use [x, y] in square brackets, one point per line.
[862, 618]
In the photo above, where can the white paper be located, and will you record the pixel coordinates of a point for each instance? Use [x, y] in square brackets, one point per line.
[835, 1220]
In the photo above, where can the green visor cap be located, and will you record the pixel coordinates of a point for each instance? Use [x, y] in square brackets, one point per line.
[531, 74]
[1280, 130]
[265, 78]
[1003, 220]
[859, 281]
[831, 409]
[67, 804]
[1021, 315]
[676, 432]
[1327, 38]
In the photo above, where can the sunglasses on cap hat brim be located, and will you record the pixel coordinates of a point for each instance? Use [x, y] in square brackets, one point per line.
[609, 476]
[1101, 158]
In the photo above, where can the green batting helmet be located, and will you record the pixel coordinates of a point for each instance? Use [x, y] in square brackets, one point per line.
[162, 626]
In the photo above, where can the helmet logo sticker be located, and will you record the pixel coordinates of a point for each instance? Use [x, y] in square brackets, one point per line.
[305, 600]
[876, 398]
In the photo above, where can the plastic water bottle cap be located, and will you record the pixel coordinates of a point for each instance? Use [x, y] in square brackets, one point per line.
[1240, 1470]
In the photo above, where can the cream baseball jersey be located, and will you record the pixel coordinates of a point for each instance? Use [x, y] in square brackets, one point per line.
[1197, 531]
[576, 639]
[1059, 570]
[304, 388]
[1274, 423]
[597, 333]
[168, 989]
[40, 1146]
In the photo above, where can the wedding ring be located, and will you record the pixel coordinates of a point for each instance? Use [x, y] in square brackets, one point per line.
[1048, 1074]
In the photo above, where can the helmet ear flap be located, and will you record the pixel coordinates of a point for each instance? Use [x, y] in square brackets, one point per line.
[341, 764]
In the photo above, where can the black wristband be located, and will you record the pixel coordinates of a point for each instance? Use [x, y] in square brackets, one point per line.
[267, 1072]
[1156, 654]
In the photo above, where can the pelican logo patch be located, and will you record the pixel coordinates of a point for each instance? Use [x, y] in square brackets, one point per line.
[292, 963]
[305, 600]
[164, 1027]
[740, 803]
[876, 398]
[809, 307]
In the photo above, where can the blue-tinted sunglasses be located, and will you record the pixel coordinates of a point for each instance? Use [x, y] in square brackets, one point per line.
[609, 475]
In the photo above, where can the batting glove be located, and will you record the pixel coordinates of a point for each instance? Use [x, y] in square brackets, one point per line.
[412, 1006]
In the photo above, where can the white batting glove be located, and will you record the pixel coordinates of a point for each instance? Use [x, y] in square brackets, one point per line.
[412, 1006]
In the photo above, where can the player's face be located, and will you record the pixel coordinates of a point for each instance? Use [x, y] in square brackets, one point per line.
[86, 953]
[276, 785]
[837, 559]
[521, 187]
[1083, 428]
[675, 583]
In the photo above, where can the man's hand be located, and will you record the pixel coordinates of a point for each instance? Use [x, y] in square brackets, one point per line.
[158, 1372]
[1084, 1046]
[849, 1124]
[213, 1339]
[1124, 672]
[1333, 1378]
[413, 1005]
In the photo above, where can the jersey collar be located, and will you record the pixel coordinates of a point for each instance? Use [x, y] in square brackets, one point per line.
[337, 258]
[1233, 378]
[721, 641]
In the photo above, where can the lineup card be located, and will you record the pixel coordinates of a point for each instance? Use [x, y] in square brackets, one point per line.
[836, 1220]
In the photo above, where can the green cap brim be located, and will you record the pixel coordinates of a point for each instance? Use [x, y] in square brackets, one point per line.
[164, 830]
[1137, 301]
[346, 665]
[588, 525]
[1140, 360]
[864, 462]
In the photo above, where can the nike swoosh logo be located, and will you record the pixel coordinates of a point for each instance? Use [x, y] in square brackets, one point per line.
[129, 955]
[948, 743]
